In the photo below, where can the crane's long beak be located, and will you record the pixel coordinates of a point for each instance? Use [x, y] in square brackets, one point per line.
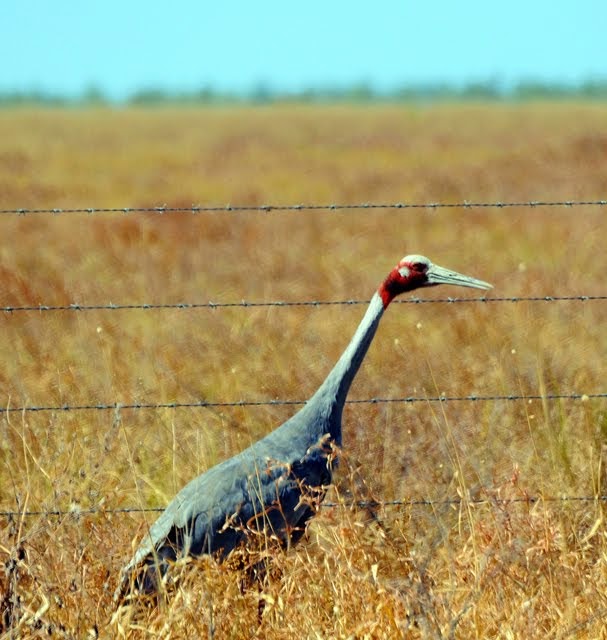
[440, 275]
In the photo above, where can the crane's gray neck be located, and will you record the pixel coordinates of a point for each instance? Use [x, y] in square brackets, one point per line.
[333, 392]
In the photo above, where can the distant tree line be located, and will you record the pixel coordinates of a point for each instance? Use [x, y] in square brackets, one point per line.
[489, 90]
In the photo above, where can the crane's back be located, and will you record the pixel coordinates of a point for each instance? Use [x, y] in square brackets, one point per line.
[274, 486]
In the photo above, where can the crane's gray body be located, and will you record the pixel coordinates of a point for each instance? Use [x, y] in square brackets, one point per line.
[272, 485]
[276, 484]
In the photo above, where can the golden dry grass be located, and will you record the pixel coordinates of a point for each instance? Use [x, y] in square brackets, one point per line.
[535, 570]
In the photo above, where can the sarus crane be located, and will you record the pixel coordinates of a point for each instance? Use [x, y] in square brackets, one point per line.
[275, 485]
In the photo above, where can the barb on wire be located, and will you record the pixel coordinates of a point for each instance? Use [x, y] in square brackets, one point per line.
[412, 502]
[266, 208]
[117, 406]
[279, 303]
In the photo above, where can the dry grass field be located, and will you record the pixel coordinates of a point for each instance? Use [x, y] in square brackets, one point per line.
[476, 559]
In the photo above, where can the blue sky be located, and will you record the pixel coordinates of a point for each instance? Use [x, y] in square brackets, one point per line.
[120, 46]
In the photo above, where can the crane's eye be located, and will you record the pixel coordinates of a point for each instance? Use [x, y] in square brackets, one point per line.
[420, 267]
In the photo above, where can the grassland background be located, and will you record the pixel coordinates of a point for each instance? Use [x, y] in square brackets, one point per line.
[469, 570]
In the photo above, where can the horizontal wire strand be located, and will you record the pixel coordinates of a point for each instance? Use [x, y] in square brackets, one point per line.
[266, 208]
[279, 303]
[328, 505]
[117, 406]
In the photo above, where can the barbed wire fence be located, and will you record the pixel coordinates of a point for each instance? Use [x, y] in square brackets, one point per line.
[77, 512]
[267, 208]
[74, 306]
[203, 404]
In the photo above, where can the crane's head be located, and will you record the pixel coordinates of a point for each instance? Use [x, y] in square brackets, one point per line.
[415, 271]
